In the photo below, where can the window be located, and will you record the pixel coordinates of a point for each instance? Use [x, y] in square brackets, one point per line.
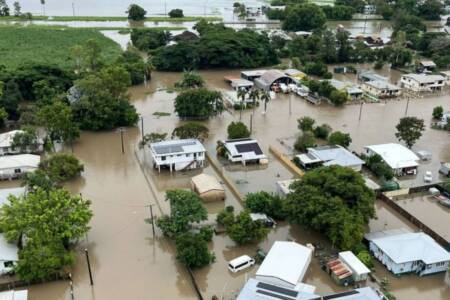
[187, 155]
[8, 264]
[163, 158]
[17, 171]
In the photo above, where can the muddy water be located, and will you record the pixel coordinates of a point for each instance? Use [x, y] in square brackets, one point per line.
[128, 263]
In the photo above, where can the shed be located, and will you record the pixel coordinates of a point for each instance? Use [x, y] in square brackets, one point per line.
[269, 78]
[285, 264]
[208, 187]
[359, 270]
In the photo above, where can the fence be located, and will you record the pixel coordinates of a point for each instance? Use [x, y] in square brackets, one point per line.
[286, 161]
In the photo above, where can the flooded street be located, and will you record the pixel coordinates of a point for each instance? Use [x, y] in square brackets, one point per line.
[128, 263]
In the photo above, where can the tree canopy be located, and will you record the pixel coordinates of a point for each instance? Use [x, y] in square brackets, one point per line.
[237, 130]
[191, 130]
[305, 17]
[136, 13]
[340, 138]
[409, 130]
[198, 104]
[61, 167]
[335, 201]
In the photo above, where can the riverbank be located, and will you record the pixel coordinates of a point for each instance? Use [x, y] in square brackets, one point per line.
[109, 19]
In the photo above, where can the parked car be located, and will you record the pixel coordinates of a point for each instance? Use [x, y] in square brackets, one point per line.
[240, 263]
[445, 169]
[428, 177]
[267, 221]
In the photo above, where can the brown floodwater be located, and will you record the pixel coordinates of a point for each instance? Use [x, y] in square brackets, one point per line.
[129, 263]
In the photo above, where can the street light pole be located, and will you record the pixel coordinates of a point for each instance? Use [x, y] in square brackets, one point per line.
[360, 111]
[89, 266]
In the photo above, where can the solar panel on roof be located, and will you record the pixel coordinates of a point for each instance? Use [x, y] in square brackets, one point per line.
[164, 149]
[277, 289]
[249, 147]
[274, 295]
[340, 295]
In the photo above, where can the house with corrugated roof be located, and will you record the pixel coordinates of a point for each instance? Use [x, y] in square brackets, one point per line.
[177, 155]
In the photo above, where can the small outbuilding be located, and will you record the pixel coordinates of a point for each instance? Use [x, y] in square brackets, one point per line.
[8, 256]
[359, 270]
[208, 187]
[270, 78]
[285, 264]
[6, 144]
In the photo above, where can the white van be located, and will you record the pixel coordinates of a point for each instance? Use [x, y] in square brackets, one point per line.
[240, 263]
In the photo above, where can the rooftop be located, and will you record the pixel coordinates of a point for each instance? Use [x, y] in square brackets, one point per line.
[403, 246]
[21, 160]
[382, 85]
[4, 193]
[395, 155]
[287, 261]
[8, 251]
[353, 263]
[257, 290]
[335, 155]
[427, 63]
[243, 146]
[423, 78]
[14, 295]
[205, 182]
[372, 76]
[6, 138]
[271, 76]
[177, 146]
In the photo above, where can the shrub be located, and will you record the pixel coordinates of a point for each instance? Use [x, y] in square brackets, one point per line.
[191, 130]
[237, 130]
[304, 141]
[266, 203]
[340, 138]
[136, 13]
[198, 104]
[322, 131]
[61, 167]
[176, 13]
[305, 123]
[365, 257]
[438, 112]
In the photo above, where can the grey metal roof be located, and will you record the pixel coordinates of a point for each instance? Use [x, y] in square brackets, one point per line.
[335, 155]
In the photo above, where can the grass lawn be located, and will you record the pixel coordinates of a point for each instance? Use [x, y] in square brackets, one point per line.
[107, 19]
[39, 44]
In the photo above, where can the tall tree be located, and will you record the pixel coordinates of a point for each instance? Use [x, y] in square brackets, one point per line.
[136, 13]
[17, 9]
[198, 104]
[328, 51]
[4, 8]
[241, 94]
[265, 97]
[409, 130]
[304, 17]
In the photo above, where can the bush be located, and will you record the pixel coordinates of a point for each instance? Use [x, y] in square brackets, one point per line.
[190, 80]
[322, 131]
[146, 39]
[304, 141]
[340, 138]
[305, 123]
[438, 112]
[61, 167]
[136, 13]
[365, 257]
[192, 250]
[237, 130]
[263, 202]
[176, 13]
[244, 230]
[376, 164]
[191, 130]
[198, 104]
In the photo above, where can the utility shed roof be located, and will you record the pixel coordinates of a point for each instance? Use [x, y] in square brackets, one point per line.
[8, 251]
[403, 246]
[19, 161]
[335, 155]
[382, 85]
[286, 261]
[205, 183]
[395, 155]
[354, 263]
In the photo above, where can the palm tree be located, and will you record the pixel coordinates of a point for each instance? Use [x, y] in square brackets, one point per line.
[241, 93]
[149, 68]
[265, 96]
[254, 95]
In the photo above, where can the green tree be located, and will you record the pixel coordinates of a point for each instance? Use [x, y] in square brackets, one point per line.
[17, 9]
[192, 250]
[241, 94]
[365, 257]
[3, 116]
[244, 230]
[11, 98]
[265, 97]
[146, 39]
[185, 208]
[38, 180]
[266, 203]
[305, 123]
[328, 51]
[4, 8]
[61, 167]
[304, 17]
[304, 141]
[198, 104]
[26, 141]
[322, 131]
[237, 130]
[92, 55]
[57, 119]
[438, 112]
[344, 46]
[136, 13]
[376, 164]
[51, 221]
[335, 201]
[190, 80]
[340, 138]
[176, 13]
[191, 130]
[431, 10]
[338, 98]
[409, 130]
[153, 137]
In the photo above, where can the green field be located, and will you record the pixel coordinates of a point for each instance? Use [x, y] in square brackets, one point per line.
[109, 19]
[39, 44]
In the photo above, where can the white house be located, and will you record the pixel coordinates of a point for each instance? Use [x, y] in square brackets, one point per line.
[6, 141]
[446, 75]
[244, 151]
[400, 159]
[422, 82]
[178, 155]
[285, 264]
[427, 65]
[381, 89]
[14, 295]
[259, 290]
[15, 166]
[328, 156]
[402, 251]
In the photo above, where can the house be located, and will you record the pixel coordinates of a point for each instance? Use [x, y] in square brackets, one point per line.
[366, 75]
[400, 159]
[352, 90]
[244, 151]
[285, 264]
[402, 251]
[8, 255]
[446, 75]
[6, 141]
[328, 156]
[207, 187]
[295, 74]
[239, 83]
[379, 89]
[444, 119]
[271, 78]
[303, 34]
[422, 82]
[252, 74]
[255, 289]
[370, 9]
[15, 166]
[323, 2]
[178, 155]
[14, 295]
[426, 65]
[283, 187]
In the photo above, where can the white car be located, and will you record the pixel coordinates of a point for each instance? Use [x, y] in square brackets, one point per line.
[240, 263]
[428, 177]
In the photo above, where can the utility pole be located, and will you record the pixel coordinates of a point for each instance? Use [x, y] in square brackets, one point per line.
[122, 130]
[165, 8]
[407, 106]
[73, 9]
[142, 129]
[72, 297]
[89, 266]
[251, 123]
[360, 111]
[152, 219]
[290, 105]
